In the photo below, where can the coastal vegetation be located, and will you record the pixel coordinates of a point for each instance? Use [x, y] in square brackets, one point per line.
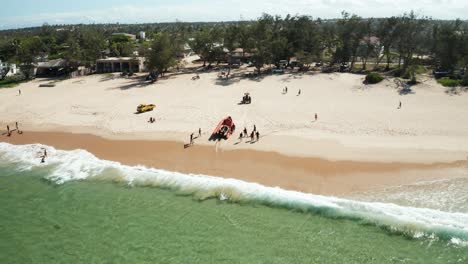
[374, 77]
[447, 82]
[405, 44]
[9, 82]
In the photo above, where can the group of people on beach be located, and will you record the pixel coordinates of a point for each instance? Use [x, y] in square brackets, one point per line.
[285, 91]
[44, 155]
[254, 135]
[192, 138]
[17, 130]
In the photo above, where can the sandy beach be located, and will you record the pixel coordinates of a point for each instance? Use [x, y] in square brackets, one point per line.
[306, 174]
[360, 131]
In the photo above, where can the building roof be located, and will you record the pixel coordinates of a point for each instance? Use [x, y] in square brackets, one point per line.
[117, 59]
[58, 63]
[372, 40]
[124, 34]
[239, 52]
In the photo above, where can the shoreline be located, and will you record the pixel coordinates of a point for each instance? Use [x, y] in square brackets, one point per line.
[305, 174]
[329, 147]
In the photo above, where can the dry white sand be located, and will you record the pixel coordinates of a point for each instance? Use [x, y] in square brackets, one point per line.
[356, 122]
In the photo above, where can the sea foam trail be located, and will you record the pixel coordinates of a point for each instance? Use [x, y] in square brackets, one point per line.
[79, 165]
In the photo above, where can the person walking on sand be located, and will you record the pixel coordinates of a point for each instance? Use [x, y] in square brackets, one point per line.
[252, 135]
[316, 117]
[286, 89]
[255, 128]
[299, 93]
[399, 105]
[19, 91]
[241, 136]
[245, 132]
[17, 129]
[191, 139]
[258, 135]
[199, 132]
[8, 130]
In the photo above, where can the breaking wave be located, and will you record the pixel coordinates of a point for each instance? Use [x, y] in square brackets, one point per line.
[64, 166]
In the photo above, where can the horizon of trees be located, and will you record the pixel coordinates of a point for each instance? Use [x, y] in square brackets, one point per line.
[405, 40]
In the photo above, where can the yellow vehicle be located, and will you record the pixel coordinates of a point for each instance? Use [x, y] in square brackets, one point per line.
[145, 108]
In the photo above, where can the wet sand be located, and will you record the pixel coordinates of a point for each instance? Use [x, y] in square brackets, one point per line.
[306, 174]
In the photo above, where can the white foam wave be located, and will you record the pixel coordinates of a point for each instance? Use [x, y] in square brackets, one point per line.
[80, 164]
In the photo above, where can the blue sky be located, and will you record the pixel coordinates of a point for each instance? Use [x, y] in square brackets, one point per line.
[22, 13]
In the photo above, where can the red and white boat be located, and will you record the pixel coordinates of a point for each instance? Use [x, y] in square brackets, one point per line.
[224, 129]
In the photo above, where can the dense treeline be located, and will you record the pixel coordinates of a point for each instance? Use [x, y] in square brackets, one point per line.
[400, 42]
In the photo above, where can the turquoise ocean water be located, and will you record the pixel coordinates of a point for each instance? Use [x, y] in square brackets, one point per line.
[76, 208]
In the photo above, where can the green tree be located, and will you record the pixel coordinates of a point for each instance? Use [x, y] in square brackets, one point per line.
[162, 54]
[231, 37]
[121, 46]
[387, 33]
[351, 31]
[207, 44]
[72, 50]
[410, 33]
[93, 42]
[367, 46]
[448, 44]
[245, 38]
[29, 50]
[329, 42]
[202, 44]
[8, 51]
[261, 35]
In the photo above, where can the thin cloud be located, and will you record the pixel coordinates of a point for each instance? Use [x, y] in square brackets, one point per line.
[210, 10]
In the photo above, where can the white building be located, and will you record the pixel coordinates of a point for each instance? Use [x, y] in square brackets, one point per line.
[11, 67]
[120, 64]
[142, 35]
